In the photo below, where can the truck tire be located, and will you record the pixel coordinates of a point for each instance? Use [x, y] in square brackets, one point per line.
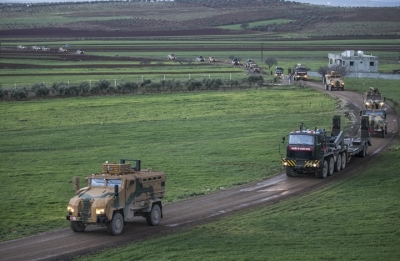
[383, 134]
[322, 173]
[77, 226]
[344, 159]
[326, 86]
[116, 225]
[331, 167]
[289, 172]
[338, 163]
[330, 87]
[153, 217]
[364, 152]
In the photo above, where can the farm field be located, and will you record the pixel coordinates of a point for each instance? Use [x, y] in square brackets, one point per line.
[205, 141]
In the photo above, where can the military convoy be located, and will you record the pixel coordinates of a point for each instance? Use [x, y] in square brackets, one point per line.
[333, 81]
[377, 121]
[322, 153]
[117, 195]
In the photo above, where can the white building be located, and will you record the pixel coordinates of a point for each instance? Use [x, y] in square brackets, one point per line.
[354, 62]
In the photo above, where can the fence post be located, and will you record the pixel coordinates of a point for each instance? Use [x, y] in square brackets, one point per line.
[90, 83]
[115, 83]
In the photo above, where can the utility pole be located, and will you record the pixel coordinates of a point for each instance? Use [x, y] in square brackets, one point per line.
[262, 52]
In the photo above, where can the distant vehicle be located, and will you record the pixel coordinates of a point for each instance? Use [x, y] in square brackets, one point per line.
[333, 81]
[279, 71]
[248, 63]
[171, 57]
[80, 51]
[45, 48]
[36, 48]
[300, 72]
[235, 61]
[62, 50]
[256, 69]
[21, 47]
[373, 99]
[212, 59]
[200, 59]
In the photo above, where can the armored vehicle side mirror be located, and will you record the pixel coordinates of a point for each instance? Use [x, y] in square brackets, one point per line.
[283, 139]
[384, 98]
[116, 190]
[360, 113]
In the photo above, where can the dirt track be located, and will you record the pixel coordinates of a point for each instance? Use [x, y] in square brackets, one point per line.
[65, 244]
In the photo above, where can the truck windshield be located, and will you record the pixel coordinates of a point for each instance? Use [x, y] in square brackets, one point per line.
[301, 139]
[112, 182]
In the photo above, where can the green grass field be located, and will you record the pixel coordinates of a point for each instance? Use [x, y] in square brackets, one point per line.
[203, 141]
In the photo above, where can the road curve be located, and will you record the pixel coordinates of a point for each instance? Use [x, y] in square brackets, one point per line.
[64, 244]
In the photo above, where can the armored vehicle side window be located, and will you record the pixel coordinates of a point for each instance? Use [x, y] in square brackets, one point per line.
[97, 182]
[112, 182]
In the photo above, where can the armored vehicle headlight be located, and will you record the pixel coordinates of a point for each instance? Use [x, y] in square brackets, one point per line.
[99, 211]
[70, 209]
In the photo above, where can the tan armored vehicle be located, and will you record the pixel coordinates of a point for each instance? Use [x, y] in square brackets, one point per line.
[117, 195]
[377, 121]
[373, 99]
[333, 80]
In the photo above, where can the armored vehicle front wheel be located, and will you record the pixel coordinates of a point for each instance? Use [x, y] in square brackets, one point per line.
[77, 226]
[153, 217]
[116, 225]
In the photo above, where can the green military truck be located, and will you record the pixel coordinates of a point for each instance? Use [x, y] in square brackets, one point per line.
[117, 195]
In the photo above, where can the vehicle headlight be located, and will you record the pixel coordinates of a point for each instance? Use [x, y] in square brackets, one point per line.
[99, 211]
[70, 209]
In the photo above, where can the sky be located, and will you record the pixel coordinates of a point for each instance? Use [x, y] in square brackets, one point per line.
[353, 3]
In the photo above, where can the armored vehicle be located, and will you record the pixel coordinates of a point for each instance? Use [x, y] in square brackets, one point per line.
[333, 81]
[321, 153]
[212, 59]
[117, 195]
[374, 99]
[377, 121]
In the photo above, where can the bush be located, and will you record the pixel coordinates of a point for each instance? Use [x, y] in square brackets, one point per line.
[84, 87]
[18, 94]
[40, 90]
[128, 87]
[103, 85]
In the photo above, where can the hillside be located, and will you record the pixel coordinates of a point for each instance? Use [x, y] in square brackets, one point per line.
[200, 17]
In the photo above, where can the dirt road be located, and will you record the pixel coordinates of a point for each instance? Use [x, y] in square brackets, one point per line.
[65, 244]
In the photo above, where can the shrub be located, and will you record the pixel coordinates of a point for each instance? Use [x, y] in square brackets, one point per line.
[40, 90]
[18, 94]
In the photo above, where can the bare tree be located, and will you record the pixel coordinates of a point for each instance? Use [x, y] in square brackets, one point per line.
[270, 61]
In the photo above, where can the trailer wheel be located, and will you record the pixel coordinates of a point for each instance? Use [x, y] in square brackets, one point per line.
[77, 226]
[364, 152]
[338, 163]
[344, 159]
[153, 217]
[116, 225]
[331, 166]
[322, 173]
[289, 172]
[383, 134]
